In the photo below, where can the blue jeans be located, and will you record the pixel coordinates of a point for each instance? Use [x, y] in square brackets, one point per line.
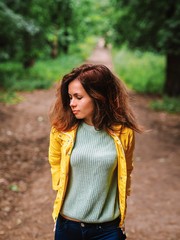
[71, 230]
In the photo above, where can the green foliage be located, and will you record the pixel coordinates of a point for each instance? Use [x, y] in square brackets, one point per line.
[32, 29]
[25, 26]
[142, 72]
[43, 74]
[151, 25]
[19, 32]
[92, 17]
[17, 21]
[84, 49]
[10, 97]
[167, 104]
[14, 187]
[148, 25]
[40, 76]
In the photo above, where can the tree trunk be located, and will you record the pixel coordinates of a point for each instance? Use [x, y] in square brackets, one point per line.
[54, 49]
[172, 84]
[65, 45]
[28, 59]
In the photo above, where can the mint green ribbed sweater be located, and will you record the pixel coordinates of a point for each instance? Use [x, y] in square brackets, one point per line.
[92, 194]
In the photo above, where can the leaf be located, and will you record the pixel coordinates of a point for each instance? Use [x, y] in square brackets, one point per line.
[14, 188]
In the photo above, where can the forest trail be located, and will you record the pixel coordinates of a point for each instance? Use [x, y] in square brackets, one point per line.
[25, 214]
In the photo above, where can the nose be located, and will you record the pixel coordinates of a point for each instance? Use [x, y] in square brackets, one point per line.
[72, 102]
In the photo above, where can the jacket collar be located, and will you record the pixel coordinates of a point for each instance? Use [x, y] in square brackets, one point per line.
[114, 133]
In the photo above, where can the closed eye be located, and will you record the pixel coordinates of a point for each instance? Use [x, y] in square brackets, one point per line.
[76, 96]
[79, 97]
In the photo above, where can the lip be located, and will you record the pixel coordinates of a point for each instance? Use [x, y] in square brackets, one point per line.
[75, 112]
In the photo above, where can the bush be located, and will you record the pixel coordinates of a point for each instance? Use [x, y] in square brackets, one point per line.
[41, 76]
[10, 97]
[142, 72]
[145, 73]
[84, 49]
[13, 77]
[171, 105]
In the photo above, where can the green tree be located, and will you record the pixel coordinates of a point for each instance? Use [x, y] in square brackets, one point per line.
[32, 28]
[61, 25]
[29, 27]
[91, 17]
[20, 34]
[155, 26]
[13, 26]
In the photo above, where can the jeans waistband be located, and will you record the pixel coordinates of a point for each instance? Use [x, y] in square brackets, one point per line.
[103, 224]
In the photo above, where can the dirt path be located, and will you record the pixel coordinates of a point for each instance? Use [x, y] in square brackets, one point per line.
[25, 210]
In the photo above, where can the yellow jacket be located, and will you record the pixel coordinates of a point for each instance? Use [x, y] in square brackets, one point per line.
[61, 145]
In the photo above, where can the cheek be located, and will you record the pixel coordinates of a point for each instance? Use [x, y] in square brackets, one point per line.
[91, 107]
[88, 106]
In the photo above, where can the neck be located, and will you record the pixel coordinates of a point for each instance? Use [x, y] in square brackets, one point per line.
[89, 122]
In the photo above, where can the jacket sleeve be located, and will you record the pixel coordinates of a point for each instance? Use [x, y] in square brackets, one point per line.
[129, 159]
[55, 158]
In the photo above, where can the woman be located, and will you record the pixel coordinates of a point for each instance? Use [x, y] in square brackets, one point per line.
[90, 153]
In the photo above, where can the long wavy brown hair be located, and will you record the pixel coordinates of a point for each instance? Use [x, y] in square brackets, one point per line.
[110, 98]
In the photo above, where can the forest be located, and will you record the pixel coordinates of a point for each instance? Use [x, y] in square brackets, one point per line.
[40, 40]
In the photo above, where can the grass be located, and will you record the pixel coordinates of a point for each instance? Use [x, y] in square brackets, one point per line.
[145, 73]
[142, 72]
[171, 105]
[14, 78]
[41, 76]
[10, 97]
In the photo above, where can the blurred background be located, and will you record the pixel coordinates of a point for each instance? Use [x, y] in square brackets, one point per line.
[144, 36]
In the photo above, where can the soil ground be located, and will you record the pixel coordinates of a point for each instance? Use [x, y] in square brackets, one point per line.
[26, 198]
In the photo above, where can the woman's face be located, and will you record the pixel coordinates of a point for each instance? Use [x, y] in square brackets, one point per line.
[81, 103]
